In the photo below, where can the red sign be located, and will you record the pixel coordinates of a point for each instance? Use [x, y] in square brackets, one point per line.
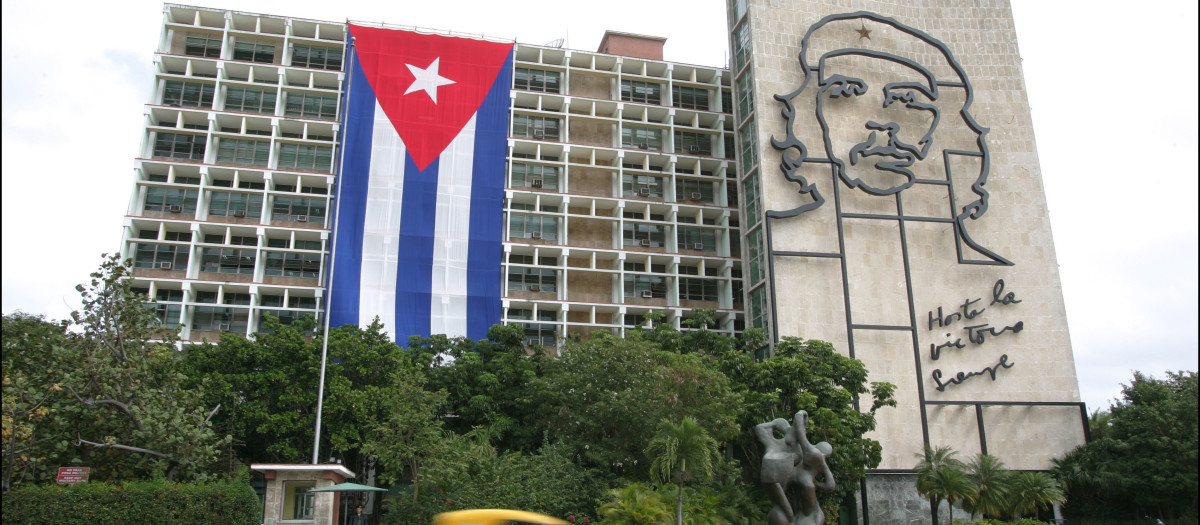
[73, 474]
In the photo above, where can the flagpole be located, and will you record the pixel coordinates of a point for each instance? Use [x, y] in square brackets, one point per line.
[333, 243]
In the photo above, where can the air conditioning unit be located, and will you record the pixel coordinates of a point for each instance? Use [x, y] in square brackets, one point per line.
[164, 266]
[539, 133]
[536, 183]
[693, 149]
[224, 327]
[643, 146]
[302, 218]
[239, 213]
[175, 208]
[645, 242]
[647, 294]
[644, 191]
[697, 195]
[698, 246]
[535, 288]
[535, 235]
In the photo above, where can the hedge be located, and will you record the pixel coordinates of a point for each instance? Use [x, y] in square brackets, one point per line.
[158, 502]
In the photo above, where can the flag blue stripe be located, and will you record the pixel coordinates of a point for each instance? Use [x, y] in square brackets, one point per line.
[415, 252]
[357, 123]
[485, 250]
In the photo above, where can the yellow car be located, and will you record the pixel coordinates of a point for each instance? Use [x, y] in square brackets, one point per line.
[495, 517]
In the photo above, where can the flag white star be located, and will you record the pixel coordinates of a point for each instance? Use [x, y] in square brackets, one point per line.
[427, 79]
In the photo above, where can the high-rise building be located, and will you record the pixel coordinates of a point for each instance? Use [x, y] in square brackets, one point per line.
[620, 196]
[867, 178]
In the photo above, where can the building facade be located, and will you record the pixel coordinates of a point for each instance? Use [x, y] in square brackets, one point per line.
[868, 178]
[893, 206]
[620, 197]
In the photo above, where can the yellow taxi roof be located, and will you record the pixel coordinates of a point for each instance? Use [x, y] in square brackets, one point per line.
[493, 517]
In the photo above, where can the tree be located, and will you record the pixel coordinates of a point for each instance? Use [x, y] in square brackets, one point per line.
[992, 486]
[941, 476]
[635, 504]
[1144, 462]
[681, 452]
[410, 436]
[112, 394]
[33, 420]
[1031, 491]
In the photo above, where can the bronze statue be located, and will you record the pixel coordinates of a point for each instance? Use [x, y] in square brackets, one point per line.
[794, 459]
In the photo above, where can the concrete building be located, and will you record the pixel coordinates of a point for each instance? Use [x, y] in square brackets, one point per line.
[871, 177]
[893, 206]
[620, 198]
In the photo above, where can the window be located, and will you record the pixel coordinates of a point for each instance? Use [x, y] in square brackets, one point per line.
[243, 152]
[534, 176]
[206, 297]
[642, 186]
[537, 334]
[528, 126]
[758, 307]
[745, 91]
[224, 204]
[646, 285]
[726, 103]
[749, 147]
[308, 245]
[532, 279]
[644, 234]
[753, 202]
[642, 138]
[285, 317]
[311, 105]
[696, 239]
[536, 80]
[176, 200]
[741, 46]
[250, 100]
[160, 256]
[220, 318]
[168, 314]
[227, 260]
[298, 209]
[254, 52]
[236, 298]
[271, 300]
[188, 94]
[521, 226]
[303, 157]
[693, 190]
[293, 264]
[179, 146]
[302, 302]
[689, 97]
[317, 57]
[697, 289]
[169, 295]
[754, 246]
[635, 320]
[644, 92]
[736, 273]
[202, 46]
[693, 143]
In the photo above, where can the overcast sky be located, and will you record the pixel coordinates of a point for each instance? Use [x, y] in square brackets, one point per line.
[1113, 92]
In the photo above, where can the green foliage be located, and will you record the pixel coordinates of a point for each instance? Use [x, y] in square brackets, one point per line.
[635, 504]
[1143, 461]
[1024, 521]
[105, 394]
[992, 486]
[549, 481]
[160, 502]
[1031, 491]
[681, 452]
[809, 375]
[941, 476]
[604, 398]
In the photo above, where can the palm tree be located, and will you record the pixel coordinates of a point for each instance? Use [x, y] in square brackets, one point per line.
[635, 504]
[992, 484]
[1032, 491]
[936, 469]
[681, 451]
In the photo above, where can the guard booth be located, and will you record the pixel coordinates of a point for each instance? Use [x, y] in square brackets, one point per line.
[291, 497]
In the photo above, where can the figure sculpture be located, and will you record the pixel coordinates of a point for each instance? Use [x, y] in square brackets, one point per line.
[793, 459]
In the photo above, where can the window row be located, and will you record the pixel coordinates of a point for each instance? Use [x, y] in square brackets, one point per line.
[243, 152]
[303, 55]
[229, 204]
[250, 100]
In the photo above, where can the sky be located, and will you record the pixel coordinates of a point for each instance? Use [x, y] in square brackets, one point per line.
[1118, 157]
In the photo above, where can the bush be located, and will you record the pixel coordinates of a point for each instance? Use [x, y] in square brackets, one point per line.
[1023, 521]
[160, 502]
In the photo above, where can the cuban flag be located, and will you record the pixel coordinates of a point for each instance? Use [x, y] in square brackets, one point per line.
[417, 234]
